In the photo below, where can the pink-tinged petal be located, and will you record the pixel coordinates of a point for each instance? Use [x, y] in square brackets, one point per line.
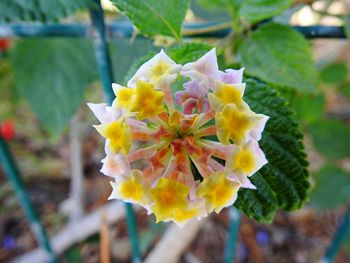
[215, 165]
[145, 71]
[193, 97]
[180, 97]
[259, 128]
[189, 105]
[115, 165]
[143, 152]
[105, 114]
[206, 65]
[243, 180]
[203, 105]
[204, 70]
[231, 76]
[195, 89]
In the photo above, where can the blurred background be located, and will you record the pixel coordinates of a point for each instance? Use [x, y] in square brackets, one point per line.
[48, 129]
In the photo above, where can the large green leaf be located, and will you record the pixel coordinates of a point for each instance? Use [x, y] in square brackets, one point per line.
[153, 17]
[52, 75]
[334, 73]
[257, 10]
[279, 55]
[124, 53]
[283, 182]
[331, 138]
[309, 107]
[39, 10]
[331, 180]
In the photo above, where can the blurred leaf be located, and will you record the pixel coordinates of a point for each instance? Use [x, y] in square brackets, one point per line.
[279, 55]
[124, 53]
[155, 17]
[251, 10]
[345, 90]
[332, 188]
[211, 10]
[283, 182]
[309, 107]
[52, 75]
[39, 10]
[258, 10]
[334, 73]
[331, 138]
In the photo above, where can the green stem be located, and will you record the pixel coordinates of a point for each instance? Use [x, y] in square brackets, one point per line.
[10, 168]
[106, 74]
[340, 235]
[230, 247]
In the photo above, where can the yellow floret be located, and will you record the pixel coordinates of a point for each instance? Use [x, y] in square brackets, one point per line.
[169, 195]
[133, 188]
[217, 191]
[244, 161]
[119, 135]
[124, 97]
[225, 94]
[148, 102]
[159, 70]
[234, 124]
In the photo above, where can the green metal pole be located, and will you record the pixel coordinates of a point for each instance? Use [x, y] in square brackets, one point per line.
[230, 248]
[10, 168]
[106, 74]
[340, 235]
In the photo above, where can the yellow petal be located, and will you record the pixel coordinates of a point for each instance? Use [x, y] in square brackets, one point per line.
[148, 102]
[168, 195]
[217, 191]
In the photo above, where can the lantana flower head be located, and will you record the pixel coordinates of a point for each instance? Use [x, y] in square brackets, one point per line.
[184, 153]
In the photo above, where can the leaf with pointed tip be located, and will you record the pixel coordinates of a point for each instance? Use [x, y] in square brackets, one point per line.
[155, 17]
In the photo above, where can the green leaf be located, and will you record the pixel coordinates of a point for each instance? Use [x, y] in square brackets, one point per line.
[39, 10]
[331, 138]
[124, 53]
[279, 55]
[309, 107]
[52, 75]
[258, 10]
[155, 17]
[332, 188]
[211, 10]
[189, 52]
[345, 90]
[283, 182]
[334, 73]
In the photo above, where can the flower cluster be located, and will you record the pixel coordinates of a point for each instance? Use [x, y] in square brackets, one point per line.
[180, 150]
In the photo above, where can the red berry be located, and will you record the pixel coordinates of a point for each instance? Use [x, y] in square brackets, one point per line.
[7, 130]
[4, 44]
